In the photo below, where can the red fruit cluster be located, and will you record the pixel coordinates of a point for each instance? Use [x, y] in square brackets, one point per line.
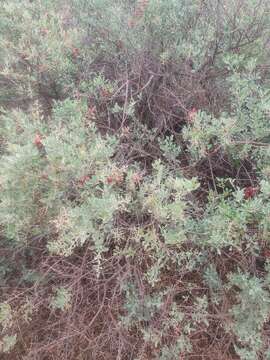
[39, 144]
[125, 132]
[115, 178]
[83, 180]
[137, 178]
[38, 141]
[44, 31]
[75, 52]
[250, 192]
[191, 115]
[266, 253]
[91, 112]
[105, 93]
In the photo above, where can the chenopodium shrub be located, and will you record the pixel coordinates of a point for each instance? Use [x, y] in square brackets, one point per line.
[9, 317]
[170, 29]
[241, 128]
[229, 220]
[55, 174]
[249, 314]
[52, 177]
[7, 341]
[163, 200]
[142, 310]
[38, 61]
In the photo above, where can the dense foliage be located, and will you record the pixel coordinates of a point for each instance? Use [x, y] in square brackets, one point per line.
[135, 179]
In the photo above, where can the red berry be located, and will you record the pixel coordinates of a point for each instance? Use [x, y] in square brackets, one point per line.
[38, 141]
[109, 179]
[250, 192]
[75, 52]
[191, 115]
[137, 178]
[83, 180]
[115, 178]
[266, 253]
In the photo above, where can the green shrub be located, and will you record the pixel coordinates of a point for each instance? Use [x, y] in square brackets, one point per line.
[134, 179]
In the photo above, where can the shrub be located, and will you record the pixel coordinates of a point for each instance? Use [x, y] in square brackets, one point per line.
[135, 181]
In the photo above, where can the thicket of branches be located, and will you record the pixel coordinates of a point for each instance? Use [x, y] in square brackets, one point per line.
[134, 179]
